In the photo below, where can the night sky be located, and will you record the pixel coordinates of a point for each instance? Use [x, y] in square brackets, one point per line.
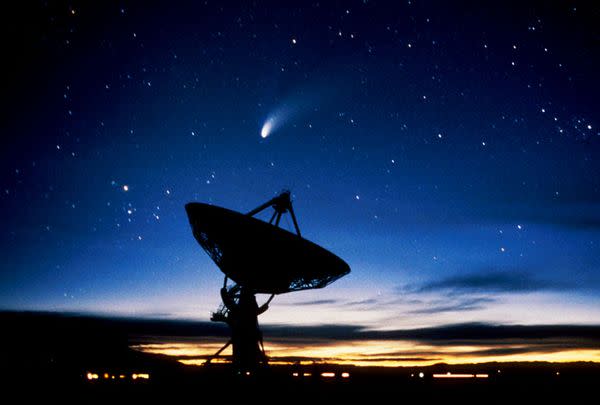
[448, 151]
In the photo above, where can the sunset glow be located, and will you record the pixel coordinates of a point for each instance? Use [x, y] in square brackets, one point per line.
[370, 353]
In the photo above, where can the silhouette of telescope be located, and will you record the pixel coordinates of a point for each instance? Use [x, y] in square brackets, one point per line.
[258, 257]
[261, 256]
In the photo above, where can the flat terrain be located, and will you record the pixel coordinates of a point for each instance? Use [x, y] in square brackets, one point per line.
[45, 361]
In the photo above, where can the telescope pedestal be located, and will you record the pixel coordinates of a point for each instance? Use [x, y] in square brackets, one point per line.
[240, 312]
[246, 338]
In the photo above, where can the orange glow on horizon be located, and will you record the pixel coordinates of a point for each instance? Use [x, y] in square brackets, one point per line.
[370, 353]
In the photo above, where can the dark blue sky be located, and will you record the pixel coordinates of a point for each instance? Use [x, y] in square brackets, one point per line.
[448, 151]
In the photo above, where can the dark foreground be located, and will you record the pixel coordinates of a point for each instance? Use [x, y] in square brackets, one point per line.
[49, 361]
[519, 384]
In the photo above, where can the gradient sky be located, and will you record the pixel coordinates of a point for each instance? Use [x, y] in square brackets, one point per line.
[448, 151]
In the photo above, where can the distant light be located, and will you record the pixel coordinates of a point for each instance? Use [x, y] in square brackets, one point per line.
[294, 41]
[421, 375]
[247, 372]
[295, 374]
[307, 375]
[345, 375]
[328, 375]
[125, 187]
[91, 376]
[450, 375]
[106, 376]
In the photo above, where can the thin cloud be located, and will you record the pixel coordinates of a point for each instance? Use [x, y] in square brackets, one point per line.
[370, 301]
[314, 302]
[489, 281]
[461, 305]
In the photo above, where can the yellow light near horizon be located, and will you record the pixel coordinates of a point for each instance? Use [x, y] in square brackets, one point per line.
[450, 375]
[180, 349]
[328, 375]
[369, 353]
[201, 362]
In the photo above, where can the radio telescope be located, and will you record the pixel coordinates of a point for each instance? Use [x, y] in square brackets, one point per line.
[257, 257]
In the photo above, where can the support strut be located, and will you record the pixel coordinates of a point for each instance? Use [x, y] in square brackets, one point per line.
[240, 310]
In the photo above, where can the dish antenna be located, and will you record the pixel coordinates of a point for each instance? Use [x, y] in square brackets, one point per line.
[258, 258]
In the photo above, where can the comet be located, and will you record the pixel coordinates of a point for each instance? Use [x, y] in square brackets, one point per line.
[266, 128]
[277, 118]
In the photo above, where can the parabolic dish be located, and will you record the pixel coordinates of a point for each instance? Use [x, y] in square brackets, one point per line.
[261, 256]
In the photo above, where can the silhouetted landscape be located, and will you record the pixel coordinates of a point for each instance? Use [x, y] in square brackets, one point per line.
[67, 358]
[304, 202]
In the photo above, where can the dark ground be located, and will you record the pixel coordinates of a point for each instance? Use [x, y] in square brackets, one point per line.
[46, 359]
